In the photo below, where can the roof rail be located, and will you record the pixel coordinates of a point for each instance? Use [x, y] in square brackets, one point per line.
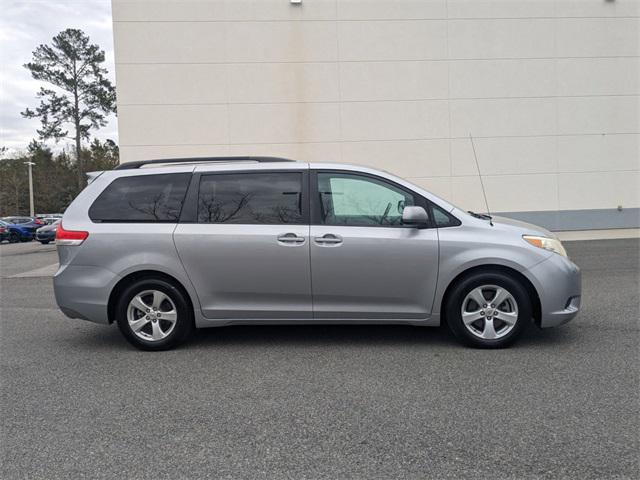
[141, 163]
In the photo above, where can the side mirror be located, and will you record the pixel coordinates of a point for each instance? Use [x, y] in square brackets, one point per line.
[415, 216]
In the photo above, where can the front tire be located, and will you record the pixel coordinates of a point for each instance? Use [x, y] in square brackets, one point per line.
[154, 314]
[488, 310]
[14, 238]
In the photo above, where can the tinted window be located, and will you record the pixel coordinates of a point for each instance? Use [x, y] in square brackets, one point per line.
[251, 198]
[143, 198]
[443, 219]
[356, 200]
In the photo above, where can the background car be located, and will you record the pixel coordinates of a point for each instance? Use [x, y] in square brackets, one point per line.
[49, 218]
[4, 232]
[28, 222]
[47, 233]
[16, 232]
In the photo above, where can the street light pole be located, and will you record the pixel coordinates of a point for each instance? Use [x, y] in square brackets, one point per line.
[31, 209]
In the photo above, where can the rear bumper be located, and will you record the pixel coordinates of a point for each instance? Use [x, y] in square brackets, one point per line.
[83, 292]
[559, 284]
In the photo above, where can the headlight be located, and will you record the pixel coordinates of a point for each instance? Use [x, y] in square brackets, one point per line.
[552, 244]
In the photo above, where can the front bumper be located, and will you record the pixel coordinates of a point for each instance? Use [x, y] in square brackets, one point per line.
[83, 291]
[559, 284]
[46, 236]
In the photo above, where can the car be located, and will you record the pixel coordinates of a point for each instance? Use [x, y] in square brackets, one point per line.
[16, 232]
[162, 247]
[47, 233]
[49, 218]
[30, 223]
[4, 232]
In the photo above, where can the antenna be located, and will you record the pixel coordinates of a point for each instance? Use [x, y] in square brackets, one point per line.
[484, 193]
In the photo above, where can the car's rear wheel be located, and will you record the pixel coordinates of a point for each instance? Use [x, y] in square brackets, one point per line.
[154, 314]
[44, 242]
[14, 237]
[488, 310]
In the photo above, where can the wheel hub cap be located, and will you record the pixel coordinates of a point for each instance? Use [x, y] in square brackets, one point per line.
[152, 315]
[489, 312]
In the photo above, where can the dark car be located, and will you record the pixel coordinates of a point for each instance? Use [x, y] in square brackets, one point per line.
[15, 232]
[4, 232]
[47, 233]
[28, 226]
[28, 222]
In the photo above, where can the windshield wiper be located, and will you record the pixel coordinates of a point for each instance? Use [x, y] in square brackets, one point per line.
[483, 216]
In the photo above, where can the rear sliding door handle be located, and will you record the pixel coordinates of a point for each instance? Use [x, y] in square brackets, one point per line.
[328, 239]
[291, 239]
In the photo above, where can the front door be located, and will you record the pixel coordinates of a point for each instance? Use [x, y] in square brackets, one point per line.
[247, 249]
[364, 262]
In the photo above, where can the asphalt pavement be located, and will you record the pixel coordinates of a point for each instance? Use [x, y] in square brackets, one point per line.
[312, 402]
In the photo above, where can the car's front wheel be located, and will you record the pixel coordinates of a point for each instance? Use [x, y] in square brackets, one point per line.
[488, 310]
[14, 237]
[154, 314]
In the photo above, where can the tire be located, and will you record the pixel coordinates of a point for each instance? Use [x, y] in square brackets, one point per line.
[484, 326]
[44, 242]
[14, 237]
[154, 330]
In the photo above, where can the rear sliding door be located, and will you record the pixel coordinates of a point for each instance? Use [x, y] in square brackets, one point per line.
[244, 241]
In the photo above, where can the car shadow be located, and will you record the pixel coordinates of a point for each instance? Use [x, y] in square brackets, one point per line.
[401, 336]
[318, 335]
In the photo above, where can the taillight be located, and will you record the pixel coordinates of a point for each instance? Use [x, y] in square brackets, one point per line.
[38, 221]
[70, 237]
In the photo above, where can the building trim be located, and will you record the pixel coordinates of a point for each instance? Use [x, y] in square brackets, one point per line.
[591, 219]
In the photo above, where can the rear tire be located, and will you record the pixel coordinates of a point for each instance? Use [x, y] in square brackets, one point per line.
[45, 242]
[153, 314]
[14, 238]
[488, 310]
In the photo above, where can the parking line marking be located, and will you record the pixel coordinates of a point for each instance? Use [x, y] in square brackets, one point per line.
[47, 271]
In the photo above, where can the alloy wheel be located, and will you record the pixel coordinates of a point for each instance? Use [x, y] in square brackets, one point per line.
[489, 312]
[152, 315]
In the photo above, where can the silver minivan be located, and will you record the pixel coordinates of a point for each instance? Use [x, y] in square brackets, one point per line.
[166, 246]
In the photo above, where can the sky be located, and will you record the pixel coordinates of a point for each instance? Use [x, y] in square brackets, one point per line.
[25, 24]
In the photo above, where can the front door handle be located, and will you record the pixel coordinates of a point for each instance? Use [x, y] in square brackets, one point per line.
[291, 239]
[328, 239]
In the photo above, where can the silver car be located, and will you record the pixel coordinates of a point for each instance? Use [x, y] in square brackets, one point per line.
[164, 247]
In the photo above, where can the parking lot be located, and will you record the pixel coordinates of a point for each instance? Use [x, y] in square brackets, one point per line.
[321, 401]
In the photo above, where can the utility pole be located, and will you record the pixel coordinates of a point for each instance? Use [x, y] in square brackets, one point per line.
[31, 209]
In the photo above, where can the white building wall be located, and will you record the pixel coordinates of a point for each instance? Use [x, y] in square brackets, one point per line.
[548, 88]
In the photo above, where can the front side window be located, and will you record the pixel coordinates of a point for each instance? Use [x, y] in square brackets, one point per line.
[357, 200]
[251, 198]
[142, 198]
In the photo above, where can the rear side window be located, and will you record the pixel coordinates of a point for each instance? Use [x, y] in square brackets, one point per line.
[251, 198]
[143, 198]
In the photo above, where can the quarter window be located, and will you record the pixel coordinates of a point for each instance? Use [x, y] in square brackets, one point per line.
[443, 219]
[356, 200]
[141, 198]
[251, 198]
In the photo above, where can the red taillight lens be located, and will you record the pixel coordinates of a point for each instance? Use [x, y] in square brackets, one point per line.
[70, 237]
[38, 221]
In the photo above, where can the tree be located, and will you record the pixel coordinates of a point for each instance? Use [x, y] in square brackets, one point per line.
[14, 186]
[102, 156]
[83, 96]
